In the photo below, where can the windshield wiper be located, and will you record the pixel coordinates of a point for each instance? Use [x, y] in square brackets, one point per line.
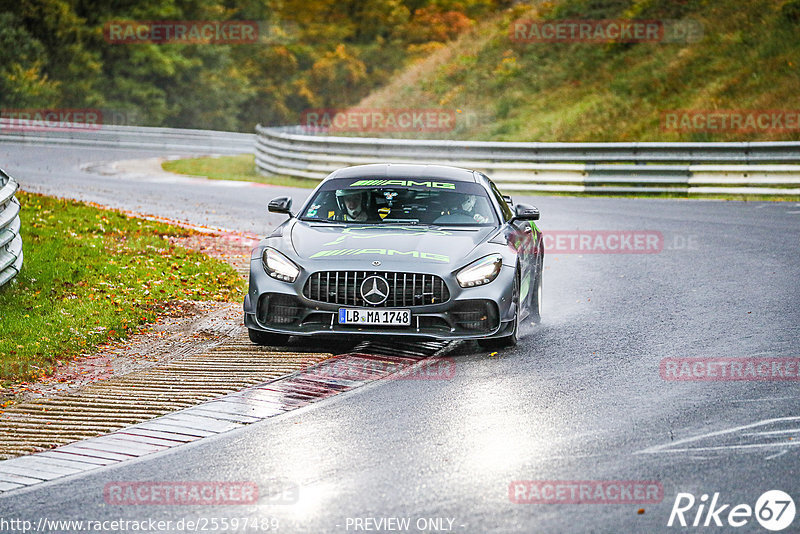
[321, 221]
[401, 221]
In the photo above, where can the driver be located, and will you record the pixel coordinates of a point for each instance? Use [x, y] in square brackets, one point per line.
[467, 207]
[353, 204]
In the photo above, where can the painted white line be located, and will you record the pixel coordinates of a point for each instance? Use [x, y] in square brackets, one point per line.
[773, 432]
[670, 447]
[766, 399]
[724, 448]
[208, 424]
[26, 462]
[772, 457]
[147, 440]
[47, 461]
[76, 456]
[226, 416]
[171, 427]
[102, 444]
[257, 399]
[233, 408]
[31, 473]
[73, 448]
[113, 443]
[19, 479]
[166, 436]
[253, 409]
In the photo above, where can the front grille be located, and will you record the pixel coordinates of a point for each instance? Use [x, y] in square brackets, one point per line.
[405, 289]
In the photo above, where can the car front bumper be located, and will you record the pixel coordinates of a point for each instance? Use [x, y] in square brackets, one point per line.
[473, 313]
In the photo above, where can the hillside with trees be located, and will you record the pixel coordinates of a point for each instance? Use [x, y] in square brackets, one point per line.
[463, 58]
[310, 54]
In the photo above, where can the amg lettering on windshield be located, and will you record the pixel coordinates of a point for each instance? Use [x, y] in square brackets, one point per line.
[404, 183]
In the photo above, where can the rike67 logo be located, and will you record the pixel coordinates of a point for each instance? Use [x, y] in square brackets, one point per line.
[774, 510]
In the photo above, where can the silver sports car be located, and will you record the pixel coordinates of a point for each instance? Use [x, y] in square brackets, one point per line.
[398, 250]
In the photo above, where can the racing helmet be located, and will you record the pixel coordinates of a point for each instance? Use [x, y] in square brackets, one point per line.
[361, 207]
[468, 203]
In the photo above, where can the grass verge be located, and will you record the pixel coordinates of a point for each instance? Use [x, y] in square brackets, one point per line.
[241, 167]
[93, 275]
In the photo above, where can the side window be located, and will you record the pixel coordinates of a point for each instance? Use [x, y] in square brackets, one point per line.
[504, 208]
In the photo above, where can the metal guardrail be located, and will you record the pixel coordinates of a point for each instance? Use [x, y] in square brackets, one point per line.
[765, 168]
[133, 137]
[10, 240]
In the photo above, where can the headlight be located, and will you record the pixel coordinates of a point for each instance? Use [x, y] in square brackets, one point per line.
[480, 272]
[279, 266]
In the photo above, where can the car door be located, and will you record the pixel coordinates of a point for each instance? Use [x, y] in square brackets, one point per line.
[522, 238]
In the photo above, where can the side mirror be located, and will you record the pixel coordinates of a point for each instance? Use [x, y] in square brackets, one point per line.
[280, 205]
[524, 212]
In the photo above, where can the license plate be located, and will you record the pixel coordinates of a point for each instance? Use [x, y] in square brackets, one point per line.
[374, 317]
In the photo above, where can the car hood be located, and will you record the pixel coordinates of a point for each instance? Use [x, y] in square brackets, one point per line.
[389, 244]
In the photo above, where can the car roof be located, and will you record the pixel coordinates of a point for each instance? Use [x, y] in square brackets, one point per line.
[403, 170]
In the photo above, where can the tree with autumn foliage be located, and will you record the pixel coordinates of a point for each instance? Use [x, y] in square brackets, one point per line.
[312, 53]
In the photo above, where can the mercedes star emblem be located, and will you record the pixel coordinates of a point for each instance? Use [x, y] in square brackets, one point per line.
[375, 290]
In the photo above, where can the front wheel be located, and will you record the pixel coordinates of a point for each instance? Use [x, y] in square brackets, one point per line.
[260, 337]
[511, 339]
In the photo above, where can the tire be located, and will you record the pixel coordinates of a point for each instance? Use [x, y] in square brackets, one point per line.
[511, 339]
[536, 297]
[267, 338]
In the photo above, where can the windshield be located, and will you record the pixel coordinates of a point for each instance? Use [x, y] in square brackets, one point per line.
[401, 200]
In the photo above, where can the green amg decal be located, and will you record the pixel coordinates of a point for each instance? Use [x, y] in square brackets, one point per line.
[534, 229]
[382, 252]
[525, 287]
[367, 232]
[403, 183]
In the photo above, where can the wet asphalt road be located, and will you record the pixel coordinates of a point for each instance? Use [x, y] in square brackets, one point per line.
[580, 398]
